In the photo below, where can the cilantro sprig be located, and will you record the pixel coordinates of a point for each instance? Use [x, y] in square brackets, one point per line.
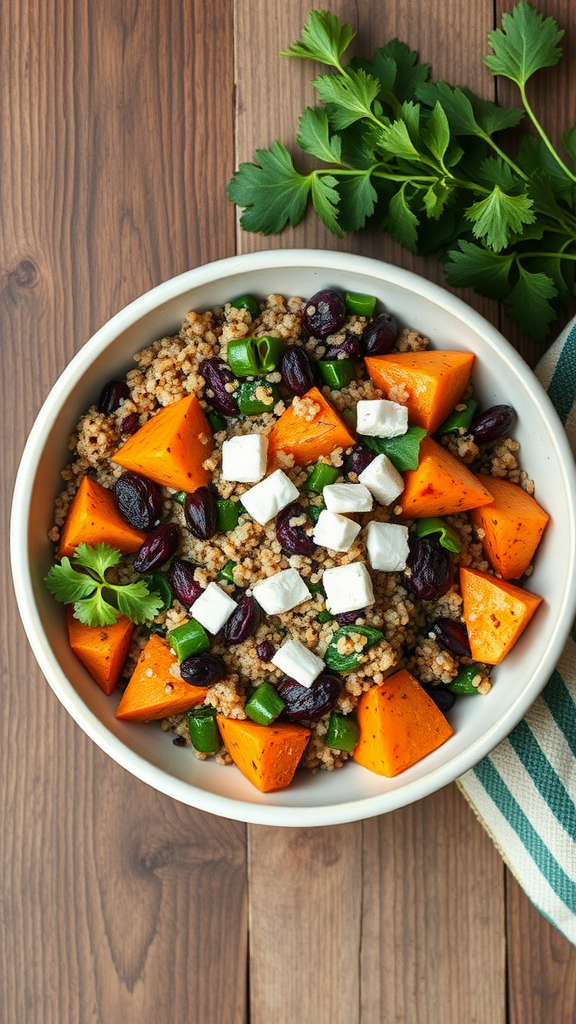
[421, 160]
[97, 602]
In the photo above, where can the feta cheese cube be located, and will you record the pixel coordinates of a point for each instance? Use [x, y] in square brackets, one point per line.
[347, 498]
[382, 479]
[213, 608]
[266, 499]
[298, 662]
[281, 592]
[347, 587]
[244, 458]
[335, 532]
[387, 545]
[376, 417]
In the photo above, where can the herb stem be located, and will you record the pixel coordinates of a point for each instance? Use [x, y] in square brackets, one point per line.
[543, 134]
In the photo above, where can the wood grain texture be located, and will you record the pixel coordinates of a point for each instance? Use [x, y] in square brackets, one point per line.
[116, 138]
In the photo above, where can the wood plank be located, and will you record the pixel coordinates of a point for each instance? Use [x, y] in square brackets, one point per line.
[116, 140]
[389, 973]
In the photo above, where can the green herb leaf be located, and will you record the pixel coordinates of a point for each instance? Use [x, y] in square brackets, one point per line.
[395, 139]
[403, 451]
[314, 136]
[95, 611]
[358, 198]
[401, 221]
[569, 143]
[273, 193]
[528, 303]
[324, 38]
[436, 134]
[137, 603]
[466, 113]
[67, 585]
[99, 558]
[325, 199]
[498, 216]
[526, 42]
[472, 266]
[346, 662]
[435, 199]
[351, 96]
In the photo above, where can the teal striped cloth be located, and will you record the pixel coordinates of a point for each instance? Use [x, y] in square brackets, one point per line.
[524, 793]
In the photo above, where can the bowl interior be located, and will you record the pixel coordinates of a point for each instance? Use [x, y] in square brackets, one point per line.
[499, 376]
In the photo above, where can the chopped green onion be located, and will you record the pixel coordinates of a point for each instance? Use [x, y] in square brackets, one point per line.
[227, 572]
[216, 421]
[270, 352]
[324, 616]
[227, 515]
[342, 732]
[321, 475]
[314, 512]
[346, 662]
[189, 638]
[248, 357]
[448, 538]
[361, 305]
[158, 584]
[247, 302]
[460, 419]
[403, 451]
[462, 683]
[203, 730]
[336, 373]
[179, 496]
[252, 405]
[264, 705]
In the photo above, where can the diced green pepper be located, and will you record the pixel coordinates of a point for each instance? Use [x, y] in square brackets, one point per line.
[158, 584]
[248, 357]
[321, 475]
[336, 373]
[459, 420]
[448, 538]
[179, 497]
[403, 451]
[360, 305]
[270, 352]
[324, 616]
[264, 705]
[342, 732]
[189, 638]
[314, 512]
[462, 683]
[216, 421]
[227, 515]
[247, 302]
[203, 730]
[252, 405]
[227, 572]
[346, 662]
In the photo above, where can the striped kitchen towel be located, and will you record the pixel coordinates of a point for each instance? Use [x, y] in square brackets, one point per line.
[524, 793]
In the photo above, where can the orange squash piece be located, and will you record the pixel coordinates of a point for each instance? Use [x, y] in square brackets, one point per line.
[267, 755]
[93, 517]
[156, 688]
[307, 439]
[513, 524]
[434, 381]
[399, 725]
[440, 486]
[495, 612]
[171, 447]
[101, 649]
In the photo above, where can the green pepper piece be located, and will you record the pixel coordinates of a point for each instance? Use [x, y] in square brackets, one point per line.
[270, 351]
[462, 683]
[158, 584]
[342, 732]
[459, 420]
[448, 538]
[203, 730]
[346, 662]
[249, 404]
[336, 373]
[242, 357]
[179, 497]
[247, 302]
[321, 475]
[189, 638]
[403, 451]
[314, 512]
[227, 572]
[324, 616]
[264, 705]
[360, 305]
[216, 421]
[227, 515]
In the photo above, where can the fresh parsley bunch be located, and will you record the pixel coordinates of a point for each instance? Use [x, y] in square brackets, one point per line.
[419, 159]
[96, 601]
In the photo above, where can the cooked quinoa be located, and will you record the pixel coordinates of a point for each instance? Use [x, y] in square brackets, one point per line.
[167, 371]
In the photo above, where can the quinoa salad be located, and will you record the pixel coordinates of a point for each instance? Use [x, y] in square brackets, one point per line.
[321, 577]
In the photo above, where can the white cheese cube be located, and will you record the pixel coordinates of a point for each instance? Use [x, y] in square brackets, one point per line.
[376, 417]
[213, 608]
[387, 545]
[347, 587]
[382, 479]
[266, 499]
[347, 498]
[244, 458]
[335, 532]
[281, 592]
[297, 662]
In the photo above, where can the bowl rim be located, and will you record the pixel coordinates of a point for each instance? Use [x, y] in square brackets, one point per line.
[158, 778]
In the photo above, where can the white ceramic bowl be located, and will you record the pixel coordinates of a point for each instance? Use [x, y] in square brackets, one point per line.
[500, 375]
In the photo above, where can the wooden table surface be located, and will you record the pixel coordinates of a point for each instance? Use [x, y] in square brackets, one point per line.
[121, 121]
